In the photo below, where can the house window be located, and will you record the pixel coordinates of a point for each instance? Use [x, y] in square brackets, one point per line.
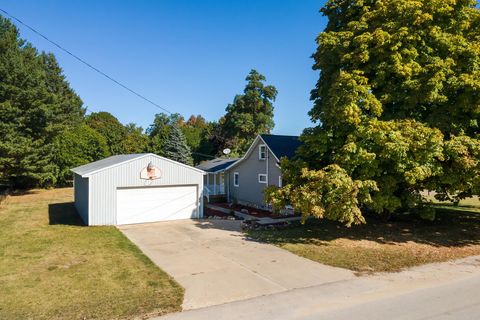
[262, 152]
[262, 178]
[236, 179]
[279, 181]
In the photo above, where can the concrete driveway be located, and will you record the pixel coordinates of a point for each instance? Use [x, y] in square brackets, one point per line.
[215, 264]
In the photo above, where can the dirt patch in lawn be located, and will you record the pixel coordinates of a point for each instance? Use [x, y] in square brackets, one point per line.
[383, 246]
[54, 267]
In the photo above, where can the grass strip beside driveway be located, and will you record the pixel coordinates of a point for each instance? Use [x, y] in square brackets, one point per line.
[52, 267]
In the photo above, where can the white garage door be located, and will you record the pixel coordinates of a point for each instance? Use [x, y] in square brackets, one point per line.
[138, 205]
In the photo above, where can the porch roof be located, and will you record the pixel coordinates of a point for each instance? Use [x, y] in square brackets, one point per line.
[216, 165]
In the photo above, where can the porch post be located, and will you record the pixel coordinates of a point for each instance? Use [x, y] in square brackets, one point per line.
[227, 185]
[215, 183]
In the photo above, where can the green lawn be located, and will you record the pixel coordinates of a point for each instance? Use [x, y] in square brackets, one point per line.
[51, 267]
[469, 204]
[385, 246]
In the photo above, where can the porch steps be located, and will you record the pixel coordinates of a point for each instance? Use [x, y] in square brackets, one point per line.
[217, 198]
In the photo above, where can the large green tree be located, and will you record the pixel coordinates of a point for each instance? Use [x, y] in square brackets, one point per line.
[36, 105]
[159, 131]
[197, 132]
[250, 114]
[396, 107]
[136, 141]
[110, 128]
[77, 147]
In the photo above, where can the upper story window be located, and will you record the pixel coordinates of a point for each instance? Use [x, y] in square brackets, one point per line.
[262, 152]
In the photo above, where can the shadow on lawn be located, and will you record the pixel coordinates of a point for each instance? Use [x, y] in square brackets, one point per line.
[64, 213]
[450, 229]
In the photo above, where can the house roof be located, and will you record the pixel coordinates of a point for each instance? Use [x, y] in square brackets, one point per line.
[100, 165]
[216, 165]
[282, 146]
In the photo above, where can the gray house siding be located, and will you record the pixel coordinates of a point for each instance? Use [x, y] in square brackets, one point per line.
[81, 196]
[249, 189]
[104, 185]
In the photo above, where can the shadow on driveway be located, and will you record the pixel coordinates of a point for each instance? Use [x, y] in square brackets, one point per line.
[227, 225]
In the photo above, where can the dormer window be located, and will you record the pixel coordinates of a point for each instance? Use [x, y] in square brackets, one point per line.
[262, 152]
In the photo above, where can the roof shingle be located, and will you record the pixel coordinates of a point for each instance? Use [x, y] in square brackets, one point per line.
[282, 146]
[216, 165]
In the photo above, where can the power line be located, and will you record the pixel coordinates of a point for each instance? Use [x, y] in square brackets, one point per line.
[204, 155]
[86, 63]
[96, 70]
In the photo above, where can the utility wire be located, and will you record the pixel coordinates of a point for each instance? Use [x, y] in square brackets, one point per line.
[203, 154]
[86, 63]
[96, 70]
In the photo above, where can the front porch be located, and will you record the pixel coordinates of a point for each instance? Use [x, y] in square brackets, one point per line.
[215, 180]
[215, 187]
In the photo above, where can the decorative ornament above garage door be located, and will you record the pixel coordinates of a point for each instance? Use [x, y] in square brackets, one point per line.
[150, 172]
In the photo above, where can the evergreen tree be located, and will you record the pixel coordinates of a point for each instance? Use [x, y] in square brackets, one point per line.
[159, 132]
[250, 114]
[176, 147]
[36, 105]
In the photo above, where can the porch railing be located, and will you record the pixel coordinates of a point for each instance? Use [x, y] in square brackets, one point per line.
[216, 189]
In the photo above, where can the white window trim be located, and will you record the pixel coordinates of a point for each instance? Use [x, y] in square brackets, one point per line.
[280, 181]
[236, 174]
[260, 152]
[262, 175]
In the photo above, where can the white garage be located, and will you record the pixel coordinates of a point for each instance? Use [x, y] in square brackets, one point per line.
[137, 188]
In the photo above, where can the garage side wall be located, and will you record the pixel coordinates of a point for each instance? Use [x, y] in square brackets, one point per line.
[104, 184]
[81, 196]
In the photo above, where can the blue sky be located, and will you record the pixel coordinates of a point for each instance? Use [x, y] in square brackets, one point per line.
[190, 56]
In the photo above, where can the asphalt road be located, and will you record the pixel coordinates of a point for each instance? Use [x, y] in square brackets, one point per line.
[458, 300]
[438, 291]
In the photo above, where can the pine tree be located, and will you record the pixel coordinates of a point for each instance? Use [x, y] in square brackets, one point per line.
[176, 147]
[36, 105]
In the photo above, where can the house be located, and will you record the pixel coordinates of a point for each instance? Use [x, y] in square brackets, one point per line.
[137, 188]
[244, 180]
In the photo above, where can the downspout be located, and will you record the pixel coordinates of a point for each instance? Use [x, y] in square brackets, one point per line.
[268, 157]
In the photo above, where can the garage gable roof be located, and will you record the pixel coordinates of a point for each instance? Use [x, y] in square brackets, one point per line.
[100, 165]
